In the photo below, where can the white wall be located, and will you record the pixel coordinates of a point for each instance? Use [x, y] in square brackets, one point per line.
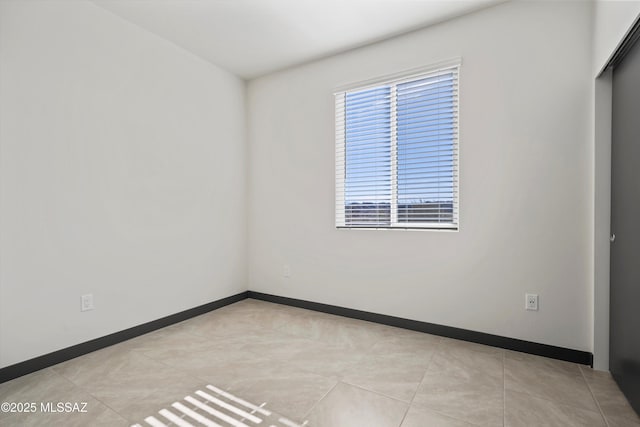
[122, 174]
[526, 217]
[611, 22]
[612, 19]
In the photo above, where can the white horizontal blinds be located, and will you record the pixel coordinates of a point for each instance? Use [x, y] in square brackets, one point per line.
[363, 158]
[397, 153]
[340, 157]
[427, 153]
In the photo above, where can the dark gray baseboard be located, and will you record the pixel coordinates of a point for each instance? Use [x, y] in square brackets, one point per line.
[50, 359]
[561, 353]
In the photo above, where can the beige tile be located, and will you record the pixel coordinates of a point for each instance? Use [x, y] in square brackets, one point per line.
[548, 379]
[97, 415]
[452, 346]
[408, 345]
[222, 369]
[349, 406]
[89, 362]
[544, 363]
[42, 382]
[334, 330]
[251, 304]
[131, 384]
[466, 363]
[162, 342]
[292, 311]
[324, 359]
[41, 386]
[394, 370]
[284, 390]
[278, 345]
[46, 389]
[231, 321]
[422, 417]
[271, 418]
[523, 410]
[391, 374]
[351, 333]
[247, 316]
[615, 421]
[466, 385]
[223, 363]
[593, 375]
[195, 354]
[178, 350]
[477, 400]
[611, 400]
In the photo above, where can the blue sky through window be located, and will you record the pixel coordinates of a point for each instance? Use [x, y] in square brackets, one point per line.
[422, 115]
[425, 132]
[368, 146]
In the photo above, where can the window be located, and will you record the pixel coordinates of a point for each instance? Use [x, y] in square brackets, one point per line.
[397, 152]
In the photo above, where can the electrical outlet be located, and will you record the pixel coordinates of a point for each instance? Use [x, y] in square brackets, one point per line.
[531, 302]
[86, 303]
[286, 271]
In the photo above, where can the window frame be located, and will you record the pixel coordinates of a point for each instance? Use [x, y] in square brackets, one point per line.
[393, 81]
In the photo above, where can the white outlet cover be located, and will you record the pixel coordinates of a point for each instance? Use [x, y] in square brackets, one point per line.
[531, 302]
[286, 271]
[86, 302]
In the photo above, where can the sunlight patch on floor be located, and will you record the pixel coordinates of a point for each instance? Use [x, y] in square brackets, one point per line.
[215, 406]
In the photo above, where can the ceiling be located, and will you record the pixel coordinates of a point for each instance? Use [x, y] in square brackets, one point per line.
[255, 37]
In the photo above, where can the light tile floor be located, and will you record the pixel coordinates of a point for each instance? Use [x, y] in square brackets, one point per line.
[326, 370]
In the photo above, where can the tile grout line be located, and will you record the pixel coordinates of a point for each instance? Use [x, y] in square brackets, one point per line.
[504, 389]
[556, 402]
[441, 343]
[64, 377]
[424, 374]
[606, 422]
[372, 391]
[415, 393]
[306, 416]
[421, 380]
[341, 380]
